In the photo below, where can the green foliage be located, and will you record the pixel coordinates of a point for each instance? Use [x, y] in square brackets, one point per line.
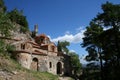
[75, 62]
[43, 76]
[110, 45]
[62, 46]
[106, 43]
[24, 29]
[6, 49]
[2, 46]
[10, 48]
[5, 25]
[89, 74]
[59, 47]
[91, 40]
[110, 15]
[2, 6]
[18, 17]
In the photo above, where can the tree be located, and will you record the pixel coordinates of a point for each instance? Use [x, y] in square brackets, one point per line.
[92, 44]
[107, 41]
[75, 62]
[5, 25]
[2, 6]
[62, 46]
[18, 17]
[111, 46]
[91, 72]
[74, 58]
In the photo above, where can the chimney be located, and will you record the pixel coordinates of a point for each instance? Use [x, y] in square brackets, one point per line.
[36, 29]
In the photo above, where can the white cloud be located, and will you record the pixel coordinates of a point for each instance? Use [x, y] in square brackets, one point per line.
[72, 38]
[79, 29]
[72, 51]
[106, 28]
[67, 32]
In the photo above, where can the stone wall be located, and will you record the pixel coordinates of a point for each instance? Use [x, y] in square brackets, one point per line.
[31, 55]
[40, 57]
[43, 63]
[54, 60]
[24, 59]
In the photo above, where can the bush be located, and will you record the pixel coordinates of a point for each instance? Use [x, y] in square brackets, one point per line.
[18, 17]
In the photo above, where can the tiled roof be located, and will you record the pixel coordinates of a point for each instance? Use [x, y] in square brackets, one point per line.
[35, 52]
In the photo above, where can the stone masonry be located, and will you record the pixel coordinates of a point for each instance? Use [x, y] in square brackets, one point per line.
[40, 54]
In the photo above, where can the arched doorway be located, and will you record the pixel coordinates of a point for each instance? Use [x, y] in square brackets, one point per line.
[59, 68]
[34, 64]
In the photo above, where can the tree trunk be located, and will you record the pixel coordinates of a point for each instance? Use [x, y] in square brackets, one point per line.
[101, 63]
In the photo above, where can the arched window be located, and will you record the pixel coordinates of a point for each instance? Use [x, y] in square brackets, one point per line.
[35, 59]
[50, 64]
[41, 40]
[34, 64]
[59, 68]
[52, 48]
[22, 46]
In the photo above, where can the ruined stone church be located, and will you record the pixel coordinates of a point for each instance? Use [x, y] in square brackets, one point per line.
[39, 53]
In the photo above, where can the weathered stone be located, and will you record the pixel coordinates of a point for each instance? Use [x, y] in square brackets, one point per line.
[39, 54]
[14, 72]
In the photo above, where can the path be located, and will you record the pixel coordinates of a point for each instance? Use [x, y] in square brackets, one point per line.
[65, 78]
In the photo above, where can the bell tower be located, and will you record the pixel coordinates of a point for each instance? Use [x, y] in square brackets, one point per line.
[36, 29]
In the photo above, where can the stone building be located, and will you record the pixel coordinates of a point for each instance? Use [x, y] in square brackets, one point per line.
[40, 54]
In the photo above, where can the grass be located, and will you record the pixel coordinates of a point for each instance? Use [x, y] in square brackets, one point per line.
[45, 76]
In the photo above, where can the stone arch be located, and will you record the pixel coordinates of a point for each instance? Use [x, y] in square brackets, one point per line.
[34, 64]
[59, 68]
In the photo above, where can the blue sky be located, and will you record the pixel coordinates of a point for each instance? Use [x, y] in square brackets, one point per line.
[60, 19]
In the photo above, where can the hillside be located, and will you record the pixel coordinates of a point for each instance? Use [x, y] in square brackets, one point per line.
[11, 70]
